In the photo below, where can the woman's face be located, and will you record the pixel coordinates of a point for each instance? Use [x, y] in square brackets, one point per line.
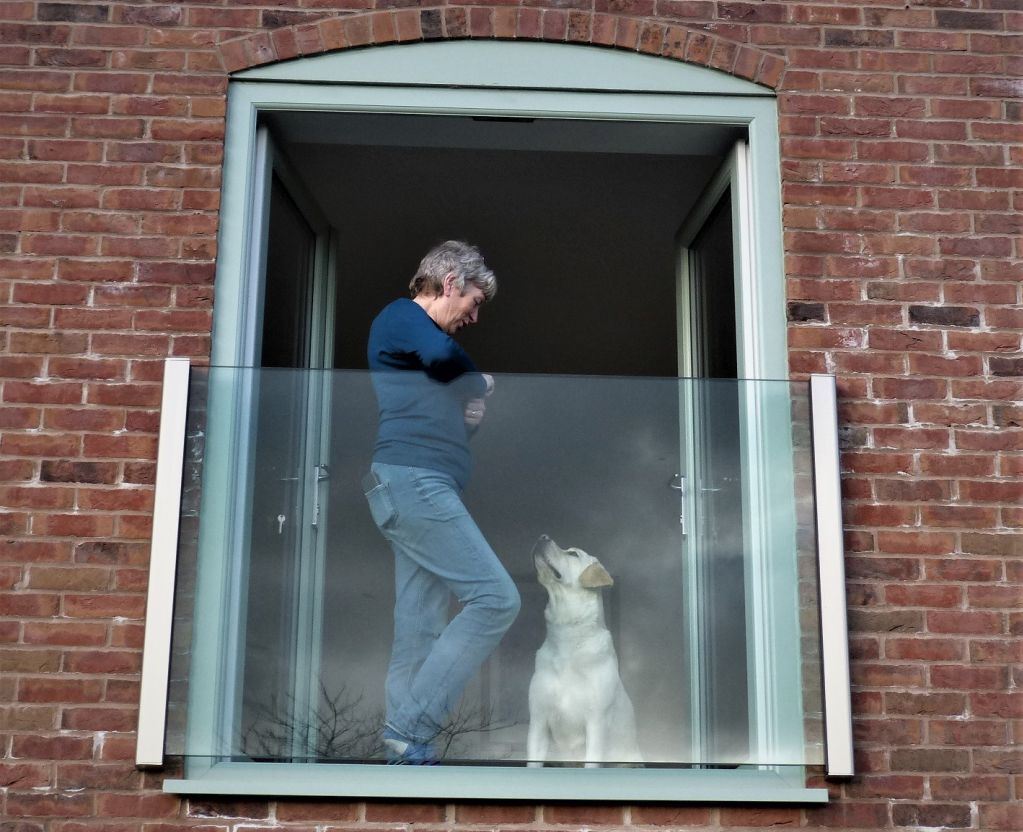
[459, 308]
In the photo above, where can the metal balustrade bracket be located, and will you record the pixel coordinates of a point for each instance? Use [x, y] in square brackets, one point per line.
[831, 567]
[162, 565]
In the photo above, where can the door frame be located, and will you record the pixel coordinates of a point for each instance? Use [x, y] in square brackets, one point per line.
[772, 631]
[227, 474]
[732, 175]
[522, 80]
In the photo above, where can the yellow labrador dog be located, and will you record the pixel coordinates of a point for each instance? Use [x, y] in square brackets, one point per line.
[578, 707]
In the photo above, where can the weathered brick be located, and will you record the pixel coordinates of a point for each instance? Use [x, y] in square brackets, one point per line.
[944, 315]
[950, 815]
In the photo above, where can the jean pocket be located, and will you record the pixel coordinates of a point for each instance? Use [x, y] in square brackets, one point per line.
[439, 498]
[381, 506]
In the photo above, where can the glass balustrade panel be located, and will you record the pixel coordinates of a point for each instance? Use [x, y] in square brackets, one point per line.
[691, 640]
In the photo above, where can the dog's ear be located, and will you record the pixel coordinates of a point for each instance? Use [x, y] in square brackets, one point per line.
[595, 576]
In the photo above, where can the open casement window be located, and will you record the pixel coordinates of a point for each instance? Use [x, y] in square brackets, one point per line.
[737, 453]
[640, 414]
[263, 471]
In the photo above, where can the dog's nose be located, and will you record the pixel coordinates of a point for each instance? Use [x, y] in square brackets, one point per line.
[543, 539]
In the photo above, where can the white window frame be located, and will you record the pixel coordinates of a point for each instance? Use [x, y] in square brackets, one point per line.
[521, 80]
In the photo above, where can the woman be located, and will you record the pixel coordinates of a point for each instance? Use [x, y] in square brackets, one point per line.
[431, 398]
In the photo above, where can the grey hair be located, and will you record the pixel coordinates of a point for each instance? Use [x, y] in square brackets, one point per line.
[460, 259]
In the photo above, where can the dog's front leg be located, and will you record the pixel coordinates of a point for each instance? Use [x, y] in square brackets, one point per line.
[537, 743]
[595, 743]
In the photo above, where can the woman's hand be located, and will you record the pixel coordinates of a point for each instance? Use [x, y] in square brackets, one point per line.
[474, 411]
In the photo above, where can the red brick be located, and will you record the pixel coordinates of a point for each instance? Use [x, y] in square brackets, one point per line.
[125, 635]
[997, 704]
[80, 578]
[116, 776]
[50, 805]
[976, 440]
[771, 816]
[144, 805]
[974, 732]
[911, 438]
[579, 814]
[99, 719]
[995, 597]
[307, 810]
[84, 368]
[998, 816]
[117, 499]
[929, 649]
[972, 787]
[85, 419]
[142, 473]
[917, 595]
[960, 677]
[75, 525]
[969, 623]
[130, 345]
[18, 366]
[924, 760]
[931, 815]
[38, 497]
[77, 634]
[59, 690]
[886, 675]
[118, 748]
[104, 552]
[50, 748]
[965, 570]
[22, 551]
[104, 606]
[29, 661]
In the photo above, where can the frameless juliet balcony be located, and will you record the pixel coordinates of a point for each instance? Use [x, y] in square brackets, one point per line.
[699, 497]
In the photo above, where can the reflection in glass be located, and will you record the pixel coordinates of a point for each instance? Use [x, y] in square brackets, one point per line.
[591, 462]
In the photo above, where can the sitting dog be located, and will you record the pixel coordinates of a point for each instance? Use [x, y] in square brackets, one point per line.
[578, 707]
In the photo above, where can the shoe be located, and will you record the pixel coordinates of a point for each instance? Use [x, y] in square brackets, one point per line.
[405, 752]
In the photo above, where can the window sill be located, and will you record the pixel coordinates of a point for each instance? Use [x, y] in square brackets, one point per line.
[768, 785]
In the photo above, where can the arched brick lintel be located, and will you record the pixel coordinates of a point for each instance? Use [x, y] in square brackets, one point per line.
[375, 28]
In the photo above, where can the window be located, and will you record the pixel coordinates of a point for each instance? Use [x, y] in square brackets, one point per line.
[695, 492]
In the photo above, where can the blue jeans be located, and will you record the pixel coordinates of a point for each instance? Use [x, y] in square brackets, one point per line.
[438, 551]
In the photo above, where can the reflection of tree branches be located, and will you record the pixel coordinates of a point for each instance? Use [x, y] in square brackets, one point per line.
[342, 728]
[338, 728]
[476, 719]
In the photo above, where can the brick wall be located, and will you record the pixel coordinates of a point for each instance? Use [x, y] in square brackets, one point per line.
[902, 147]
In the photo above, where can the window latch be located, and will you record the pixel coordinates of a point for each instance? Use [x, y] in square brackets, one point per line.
[322, 475]
[678, 483]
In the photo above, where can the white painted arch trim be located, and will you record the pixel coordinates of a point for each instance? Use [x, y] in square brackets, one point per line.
[507, 65]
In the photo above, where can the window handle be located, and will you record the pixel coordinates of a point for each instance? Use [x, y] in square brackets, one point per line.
[322, 475]
[678, 483]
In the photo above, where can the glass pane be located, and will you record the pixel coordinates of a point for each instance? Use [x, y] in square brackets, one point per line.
[290, 247]
[713, 294]
[658, 537]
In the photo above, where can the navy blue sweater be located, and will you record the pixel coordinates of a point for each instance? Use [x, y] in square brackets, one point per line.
[422, 380]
